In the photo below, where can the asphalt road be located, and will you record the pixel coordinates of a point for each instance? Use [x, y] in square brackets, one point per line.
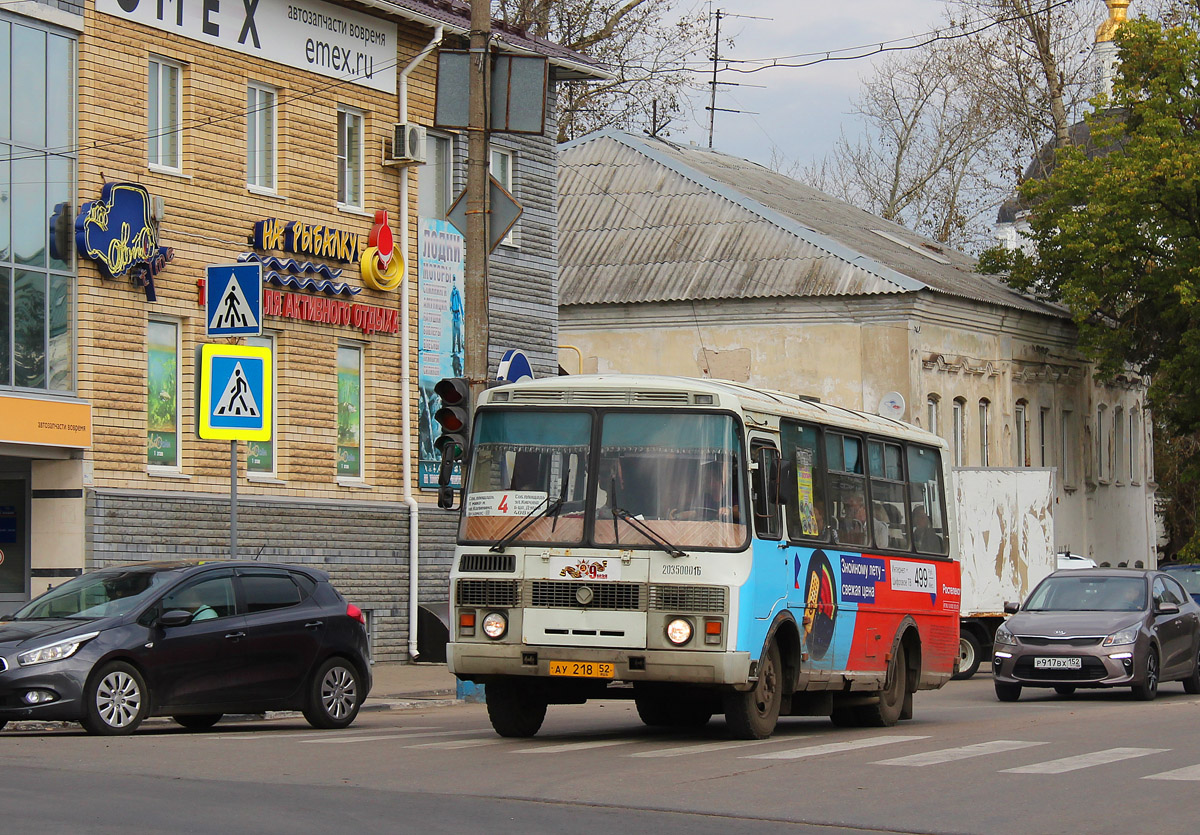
[1097, 762]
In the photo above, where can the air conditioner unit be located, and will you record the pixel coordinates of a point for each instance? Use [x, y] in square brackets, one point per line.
[408, 143]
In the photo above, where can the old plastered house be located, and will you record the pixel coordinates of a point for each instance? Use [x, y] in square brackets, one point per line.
[143, 142]
[680, 260]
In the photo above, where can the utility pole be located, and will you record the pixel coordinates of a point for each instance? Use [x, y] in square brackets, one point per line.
[712, 96]
[475, 277]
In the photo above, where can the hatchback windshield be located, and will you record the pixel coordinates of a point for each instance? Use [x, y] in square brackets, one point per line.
[1088, 594]
[100, 595]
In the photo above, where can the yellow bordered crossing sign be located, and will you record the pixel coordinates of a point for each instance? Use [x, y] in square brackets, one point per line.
[235, 397]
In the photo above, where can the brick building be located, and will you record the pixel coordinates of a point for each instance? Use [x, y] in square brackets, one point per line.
[177, 136]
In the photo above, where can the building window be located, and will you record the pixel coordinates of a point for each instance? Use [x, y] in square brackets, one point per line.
[162, 394]
[350, 158]
[1066, 439]
[260, 137]
[260, 455]
[984, 458]
[1047, 451]
[164, 114]
[931, 413]
[1135, 446]
[349, 414]
[960, 432]
[502, 164]
[434, 178]
[37, 188]
[1021, 435]
[1101, 449]
[1119, 460]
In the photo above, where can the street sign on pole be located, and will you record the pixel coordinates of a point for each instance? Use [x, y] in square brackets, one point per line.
[235, 393]
[234, 300]
[502, 206]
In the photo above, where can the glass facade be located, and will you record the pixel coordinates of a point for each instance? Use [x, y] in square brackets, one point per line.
[37, 179]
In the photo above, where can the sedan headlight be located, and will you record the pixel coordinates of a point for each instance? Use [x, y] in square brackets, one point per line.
[54, 652]
[1128, 635]
[1004, 637]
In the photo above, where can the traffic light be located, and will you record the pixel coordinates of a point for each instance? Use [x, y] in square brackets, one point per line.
[454, 422]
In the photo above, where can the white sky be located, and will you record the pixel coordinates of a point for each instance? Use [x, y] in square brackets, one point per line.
[798, 111]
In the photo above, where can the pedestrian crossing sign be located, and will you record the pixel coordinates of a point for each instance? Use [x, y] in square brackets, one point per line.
[234, 300]
[235, 393]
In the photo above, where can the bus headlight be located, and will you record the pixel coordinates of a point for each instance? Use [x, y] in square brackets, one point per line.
[495, 624]
[679, 631]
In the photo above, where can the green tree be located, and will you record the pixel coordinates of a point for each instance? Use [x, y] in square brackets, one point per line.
[1115, 236]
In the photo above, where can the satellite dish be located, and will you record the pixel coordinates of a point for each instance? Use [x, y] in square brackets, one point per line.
[892, 405]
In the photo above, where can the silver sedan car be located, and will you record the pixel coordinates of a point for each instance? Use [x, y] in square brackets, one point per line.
[1100, 627]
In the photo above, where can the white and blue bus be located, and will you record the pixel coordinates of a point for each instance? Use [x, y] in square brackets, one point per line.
[700, 547]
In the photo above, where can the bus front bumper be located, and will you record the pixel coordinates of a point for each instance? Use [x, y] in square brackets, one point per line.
[471, 660]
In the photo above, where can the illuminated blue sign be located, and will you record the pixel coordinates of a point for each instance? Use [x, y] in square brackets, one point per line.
[118, 232]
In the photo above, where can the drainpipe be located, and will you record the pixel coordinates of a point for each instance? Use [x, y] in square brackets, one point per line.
[405, 364]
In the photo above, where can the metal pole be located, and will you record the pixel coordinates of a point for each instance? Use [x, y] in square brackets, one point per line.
[475, 278]
[712, 95]
[233, 500]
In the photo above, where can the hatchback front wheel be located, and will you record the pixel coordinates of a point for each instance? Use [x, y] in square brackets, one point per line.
[115, 700]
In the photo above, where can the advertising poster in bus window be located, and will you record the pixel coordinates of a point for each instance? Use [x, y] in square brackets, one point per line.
[804, 489]
[441, 342]
[162, 407]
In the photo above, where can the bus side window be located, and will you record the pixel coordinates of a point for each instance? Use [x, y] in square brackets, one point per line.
[766, 492]
[803, 476]
[925, 495]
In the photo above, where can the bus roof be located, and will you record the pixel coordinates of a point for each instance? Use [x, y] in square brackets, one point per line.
[659, 390]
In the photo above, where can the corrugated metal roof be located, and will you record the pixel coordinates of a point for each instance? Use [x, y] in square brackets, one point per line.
[646, 220]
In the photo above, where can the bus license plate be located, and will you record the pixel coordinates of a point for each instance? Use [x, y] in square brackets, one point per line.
[582, 669]
[1058, 663]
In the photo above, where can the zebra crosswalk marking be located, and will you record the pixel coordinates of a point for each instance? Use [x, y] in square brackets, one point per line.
[339, 740]
[946, 755]
[833, 748]
[575, 746]
[703, 748]
[1064, 764]
[1191, 772]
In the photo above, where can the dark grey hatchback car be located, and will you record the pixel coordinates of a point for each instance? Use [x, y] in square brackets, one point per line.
[190, 640]
[1100, 627]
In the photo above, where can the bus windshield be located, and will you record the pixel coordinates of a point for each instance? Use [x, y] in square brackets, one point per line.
[678, 473]
[526, 463]
[674, 477]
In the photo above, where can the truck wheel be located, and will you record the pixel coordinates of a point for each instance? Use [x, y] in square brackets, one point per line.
[512, 711]
[969, 653]
[892, 697]
[753, 714]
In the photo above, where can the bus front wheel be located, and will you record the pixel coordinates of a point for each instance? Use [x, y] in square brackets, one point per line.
[752, 714]
[513, 711]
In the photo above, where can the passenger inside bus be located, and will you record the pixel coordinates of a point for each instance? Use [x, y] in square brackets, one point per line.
[718, 499]
[924, 537]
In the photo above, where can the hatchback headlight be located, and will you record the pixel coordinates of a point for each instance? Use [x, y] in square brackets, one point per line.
[1128, 635]
[54, 652]
[1004, 637]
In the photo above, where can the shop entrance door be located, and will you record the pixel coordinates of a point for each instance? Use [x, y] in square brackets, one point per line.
[14, 541]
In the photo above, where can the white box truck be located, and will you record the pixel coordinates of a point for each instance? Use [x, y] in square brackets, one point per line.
[1005, 546]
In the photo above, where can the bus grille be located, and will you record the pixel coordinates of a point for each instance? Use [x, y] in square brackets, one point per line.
[488, 593]
[556, 594]
[494, 563]
[687, 598]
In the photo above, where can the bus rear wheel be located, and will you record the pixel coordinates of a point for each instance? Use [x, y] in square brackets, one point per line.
[886, 712]
[753, 714]
[513, 711]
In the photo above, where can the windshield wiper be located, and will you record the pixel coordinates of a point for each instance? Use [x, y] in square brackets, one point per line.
[544, 508]
[646, 531]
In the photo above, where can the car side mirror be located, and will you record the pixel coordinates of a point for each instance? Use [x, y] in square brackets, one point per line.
[1166, 609]
[1011, 608]
[175, 617]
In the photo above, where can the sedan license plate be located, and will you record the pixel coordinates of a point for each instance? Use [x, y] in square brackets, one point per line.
[1057, 663]
[582, 669]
